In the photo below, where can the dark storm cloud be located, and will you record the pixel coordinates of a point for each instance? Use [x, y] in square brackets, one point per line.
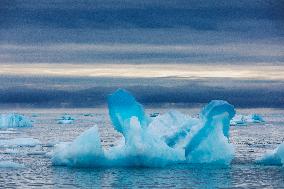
[200, 15]
[90, 92]
[31, 31]
[139, 22]
[95, 4]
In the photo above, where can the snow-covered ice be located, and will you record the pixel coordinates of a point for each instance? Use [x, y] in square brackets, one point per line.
[14, 120]
[167, 139]
[84, 151]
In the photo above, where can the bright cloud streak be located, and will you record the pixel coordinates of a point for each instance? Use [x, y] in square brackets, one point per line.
[257, 49]
[191, 71]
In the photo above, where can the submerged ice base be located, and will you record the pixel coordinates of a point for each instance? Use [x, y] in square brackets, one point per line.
[275, 157]
[153, 142]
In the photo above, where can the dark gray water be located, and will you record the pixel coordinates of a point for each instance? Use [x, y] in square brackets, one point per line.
[250, 143]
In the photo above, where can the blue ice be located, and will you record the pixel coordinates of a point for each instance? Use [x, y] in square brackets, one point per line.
[14, 120]
[275, 157]
[244, 120]
[66, 119]
[167, 139]
[210, 143]
[122, 106]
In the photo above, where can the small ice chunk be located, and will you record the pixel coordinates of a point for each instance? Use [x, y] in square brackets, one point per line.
[238, 120]
[275, 157]
[255, 118]
[66, 119]
[14, 120]
[19, 142]
[244, 120]
[7, 132]
[63, 121]
[10, 164]
[88, 115]
[155, 114]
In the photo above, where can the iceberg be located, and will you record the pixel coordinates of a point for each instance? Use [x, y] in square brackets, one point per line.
[167, 139]
[275, 157]
[14, 120]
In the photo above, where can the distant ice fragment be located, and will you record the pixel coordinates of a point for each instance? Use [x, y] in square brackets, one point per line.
[255, 118]
[244, 120]
[238, 120]
[35, 115]
[88, 115]
[275, 157]
[14, 120]
[19, 142]
[11, 164]
[7, 132]
[66, 119]
[155, 114]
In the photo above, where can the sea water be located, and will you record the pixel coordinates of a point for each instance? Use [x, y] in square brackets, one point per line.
[34, 169]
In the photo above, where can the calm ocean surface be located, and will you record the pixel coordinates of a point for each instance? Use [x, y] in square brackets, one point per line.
[250, 143]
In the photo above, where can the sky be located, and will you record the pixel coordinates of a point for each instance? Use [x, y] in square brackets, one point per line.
[73, 53]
